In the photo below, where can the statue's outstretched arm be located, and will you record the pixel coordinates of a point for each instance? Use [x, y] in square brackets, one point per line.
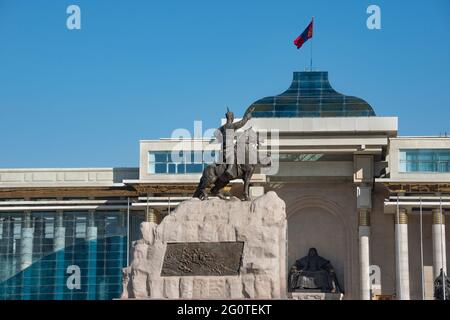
[247, 116]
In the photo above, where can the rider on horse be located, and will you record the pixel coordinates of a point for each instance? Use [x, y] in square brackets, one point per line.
[226, 134]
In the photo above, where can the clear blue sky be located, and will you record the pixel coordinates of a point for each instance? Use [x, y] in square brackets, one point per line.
[139, 69]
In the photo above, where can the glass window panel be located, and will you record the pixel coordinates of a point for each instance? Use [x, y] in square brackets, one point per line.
[151, 167]
[197, 157]
[17, 228]
[172, 168]
[209, 156]
[80, 227]
[312, 102]
[308, 114]
[444, 156]
[264, 107]
[194, 168]
[176, 156]
[181, 168]
[330, 113]
[444, 166]
[332, 107]
[187, 156]
[49, 228]
[308, 107]
[259, 114]
[161, 168]
[424, 160]
[402, 158]
[286, 114]
[284, 101]
[161, 156]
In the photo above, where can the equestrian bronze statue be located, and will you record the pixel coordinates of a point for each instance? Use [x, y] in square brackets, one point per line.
[239, 158]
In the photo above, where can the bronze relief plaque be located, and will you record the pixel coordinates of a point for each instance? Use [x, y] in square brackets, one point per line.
[202, 259]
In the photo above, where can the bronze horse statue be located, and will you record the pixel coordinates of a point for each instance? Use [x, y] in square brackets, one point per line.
[214, 174]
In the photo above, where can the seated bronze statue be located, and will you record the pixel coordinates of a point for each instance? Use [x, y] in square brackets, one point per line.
[313, 273]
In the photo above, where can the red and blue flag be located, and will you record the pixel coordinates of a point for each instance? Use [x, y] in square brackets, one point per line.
[307, 34]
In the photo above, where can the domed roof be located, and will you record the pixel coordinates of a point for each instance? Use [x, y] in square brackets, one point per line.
[311, 95]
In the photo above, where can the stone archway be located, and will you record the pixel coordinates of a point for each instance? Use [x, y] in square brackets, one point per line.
[315, 222]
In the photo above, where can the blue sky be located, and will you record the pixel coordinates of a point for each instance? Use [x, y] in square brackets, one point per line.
[139, 69]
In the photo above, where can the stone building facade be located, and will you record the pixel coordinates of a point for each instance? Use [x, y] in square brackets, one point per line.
[372, 203]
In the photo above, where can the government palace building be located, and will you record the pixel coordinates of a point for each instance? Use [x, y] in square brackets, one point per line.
[371, 202]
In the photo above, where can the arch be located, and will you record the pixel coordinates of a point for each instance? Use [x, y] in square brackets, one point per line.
[301, 204]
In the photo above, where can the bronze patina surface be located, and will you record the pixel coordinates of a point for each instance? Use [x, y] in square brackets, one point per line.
[202, 259]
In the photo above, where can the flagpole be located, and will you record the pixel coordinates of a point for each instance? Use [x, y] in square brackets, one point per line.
[421, 250]
[312, 40]
[310, 63]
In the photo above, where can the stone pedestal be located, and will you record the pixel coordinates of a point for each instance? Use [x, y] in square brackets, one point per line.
[315, 296]
[261, 273]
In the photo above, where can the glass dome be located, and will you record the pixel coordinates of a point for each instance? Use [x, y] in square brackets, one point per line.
[311, 95]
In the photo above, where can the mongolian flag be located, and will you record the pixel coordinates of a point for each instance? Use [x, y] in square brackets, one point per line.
[307, 34]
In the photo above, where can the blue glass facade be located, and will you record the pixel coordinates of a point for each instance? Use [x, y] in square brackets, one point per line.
[424, 160]
[87, 267]
[180, 162]
[311, 95]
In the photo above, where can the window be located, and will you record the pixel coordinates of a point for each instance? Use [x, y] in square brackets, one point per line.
[424, 160]
[289, 157]
[49, 228]
[179, 162]
[100, 262]
[80, 227]
[157, 162]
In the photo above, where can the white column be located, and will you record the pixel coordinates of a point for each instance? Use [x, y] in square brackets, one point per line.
[364, 256]
[26, 247]
[60, 232]
[91, 230]
[438, 234]
[364, 205]
[91, 233]
[91, 238]
[401, 255]
[152, 215]
[59, 243]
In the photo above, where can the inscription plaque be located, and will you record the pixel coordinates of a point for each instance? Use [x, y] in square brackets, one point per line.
[202, 259]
